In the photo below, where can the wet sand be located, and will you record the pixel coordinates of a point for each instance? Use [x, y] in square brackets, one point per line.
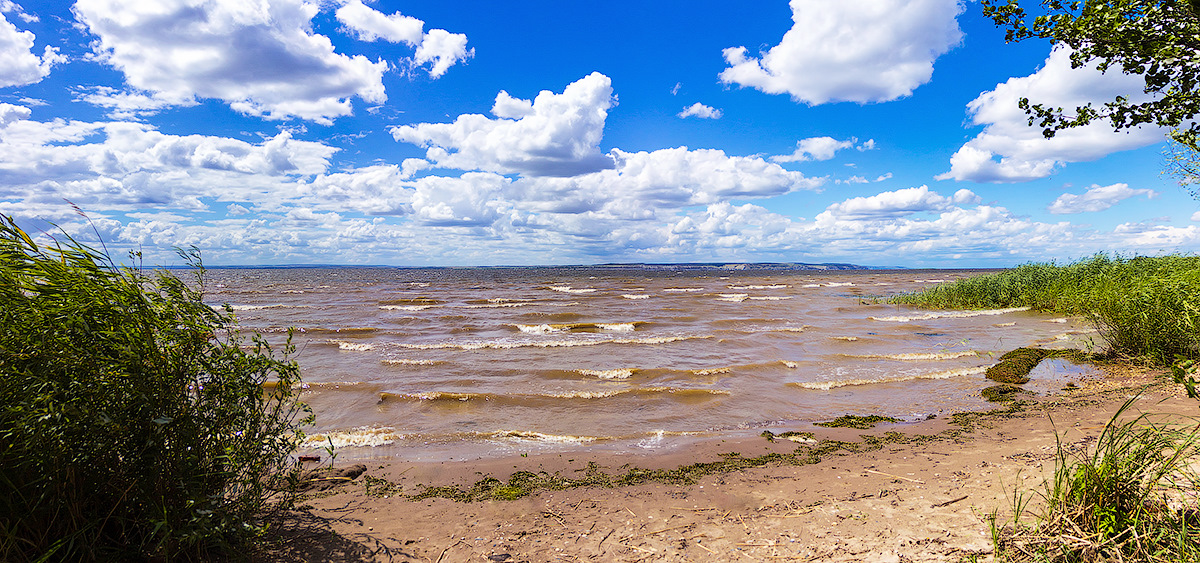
[925, 500]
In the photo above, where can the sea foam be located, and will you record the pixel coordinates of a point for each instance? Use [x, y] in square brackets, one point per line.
[948, 315]
[827, 385]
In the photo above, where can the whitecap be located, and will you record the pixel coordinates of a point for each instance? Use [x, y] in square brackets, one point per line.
[827, 385]
[622, 373]
[569, 289]
[355, 438]
[949, 315]
[918, 356]
[406, 307]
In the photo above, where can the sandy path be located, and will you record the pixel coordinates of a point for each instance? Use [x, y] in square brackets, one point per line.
[904, 502]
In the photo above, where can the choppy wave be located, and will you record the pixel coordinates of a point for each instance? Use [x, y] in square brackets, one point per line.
[918, 356]
[827, 385]
[460, 397]
[315, 385]
[528, 435]
[352, 346]
[357, 438]
[683, 289]
[406, 307]
[346, 331]
[791, 329]
[408, 362]
[636, 296]
[622, 373]
[509, 345]
[569, 289]
[711, 371]
[790, 364]
[271, 306]
[948, 315]
[548, 328]
[772, 286]
[771, 298]
[497, 305]
[732, 297]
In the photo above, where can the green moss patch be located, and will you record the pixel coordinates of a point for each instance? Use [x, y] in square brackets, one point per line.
[1001, 393]
[789, 435]
[857, 422]
[1014, 367]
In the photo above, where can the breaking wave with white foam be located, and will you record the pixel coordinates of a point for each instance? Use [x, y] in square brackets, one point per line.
[361, 437]
[509, 345]
[827, 385]
[948, 315]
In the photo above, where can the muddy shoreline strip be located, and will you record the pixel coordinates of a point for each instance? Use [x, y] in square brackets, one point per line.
[914, 500]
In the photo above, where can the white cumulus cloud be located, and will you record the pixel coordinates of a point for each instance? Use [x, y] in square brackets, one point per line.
[438, 48]
[551, 135]
[123, 166]
[369, 24]
[259, 56]
[821, 148]
[898, 203]
[18, 63]
[1096, 198]
[700, 110]
[852, 50]
[1011, 150]
[644, 184]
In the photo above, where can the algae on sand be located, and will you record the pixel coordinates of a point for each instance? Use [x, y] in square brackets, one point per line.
[856, 422]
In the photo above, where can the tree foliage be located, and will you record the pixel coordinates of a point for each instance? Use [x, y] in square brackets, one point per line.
[1157, 39]
[134, 424]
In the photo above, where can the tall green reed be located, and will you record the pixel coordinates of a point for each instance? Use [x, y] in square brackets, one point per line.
[134, 424]
[1144, 307]
[1130, 499]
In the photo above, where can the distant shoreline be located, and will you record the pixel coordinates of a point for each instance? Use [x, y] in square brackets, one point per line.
[687, 266]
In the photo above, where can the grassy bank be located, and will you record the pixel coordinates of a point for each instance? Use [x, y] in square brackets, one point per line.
[1132, 498]
[1145, 308]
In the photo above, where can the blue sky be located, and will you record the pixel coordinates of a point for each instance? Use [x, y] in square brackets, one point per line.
[879, 132]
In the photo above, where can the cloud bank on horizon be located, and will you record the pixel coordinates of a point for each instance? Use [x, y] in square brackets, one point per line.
[881, 132]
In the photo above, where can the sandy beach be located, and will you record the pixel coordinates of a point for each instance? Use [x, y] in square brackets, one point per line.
[916, 499]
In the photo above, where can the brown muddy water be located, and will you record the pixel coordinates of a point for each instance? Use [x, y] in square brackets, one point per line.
[448, 363]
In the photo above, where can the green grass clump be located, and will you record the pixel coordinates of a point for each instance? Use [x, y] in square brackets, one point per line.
[133, 422]
[1131, 499]
[857, 422]
[1144, 307]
